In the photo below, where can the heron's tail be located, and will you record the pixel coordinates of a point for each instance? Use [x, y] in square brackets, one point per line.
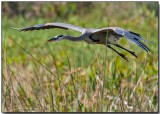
[141, 37]
[140, 44]
[136, 39]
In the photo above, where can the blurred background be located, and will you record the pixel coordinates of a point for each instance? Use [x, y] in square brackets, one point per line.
[68, 76]
[64, 10]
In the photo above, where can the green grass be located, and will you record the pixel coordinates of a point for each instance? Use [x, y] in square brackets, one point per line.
[75, 76]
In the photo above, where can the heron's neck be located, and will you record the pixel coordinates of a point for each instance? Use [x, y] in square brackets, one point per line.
[74, 38]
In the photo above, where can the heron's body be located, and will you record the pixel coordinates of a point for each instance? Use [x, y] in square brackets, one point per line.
[106, 36]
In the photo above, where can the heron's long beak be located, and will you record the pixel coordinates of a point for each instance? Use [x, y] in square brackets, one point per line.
[53, 40]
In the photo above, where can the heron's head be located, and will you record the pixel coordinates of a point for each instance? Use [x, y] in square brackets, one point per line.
[56, 38]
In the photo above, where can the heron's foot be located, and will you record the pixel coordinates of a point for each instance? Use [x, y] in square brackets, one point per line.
[123, 56]
[134, 54]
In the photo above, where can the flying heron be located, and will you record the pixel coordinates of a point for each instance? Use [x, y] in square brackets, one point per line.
[106, 36]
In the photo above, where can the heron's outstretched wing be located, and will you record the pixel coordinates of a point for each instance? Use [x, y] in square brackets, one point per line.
[52, 26]
[129, 35]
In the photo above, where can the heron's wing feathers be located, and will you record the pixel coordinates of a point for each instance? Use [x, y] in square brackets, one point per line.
[129, 35]
[51, 26]
[70, 26]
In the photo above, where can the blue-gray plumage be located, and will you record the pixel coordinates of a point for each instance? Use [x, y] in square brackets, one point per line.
[106, 36]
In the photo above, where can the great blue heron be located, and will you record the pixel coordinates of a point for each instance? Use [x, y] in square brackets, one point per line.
[106, 36]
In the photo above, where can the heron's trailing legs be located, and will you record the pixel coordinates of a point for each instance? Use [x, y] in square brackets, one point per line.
[131, 52]
[122, 55]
